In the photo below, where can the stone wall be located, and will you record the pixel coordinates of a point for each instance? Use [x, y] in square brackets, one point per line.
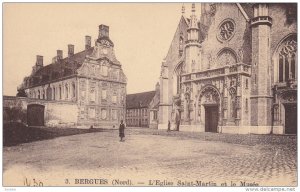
[56, 114]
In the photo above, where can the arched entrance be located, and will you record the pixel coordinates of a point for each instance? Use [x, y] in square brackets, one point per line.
[209, 108]
[290, 118]
[211, 118]
[35, 115]
[289, 99]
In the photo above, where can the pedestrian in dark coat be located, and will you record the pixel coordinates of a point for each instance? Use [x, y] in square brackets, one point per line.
[169, 126]
[122, 131]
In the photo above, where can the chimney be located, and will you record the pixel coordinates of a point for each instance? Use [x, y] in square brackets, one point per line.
[70, 50]
[39, 60]
[59, 55]
[103, 31]
[87, 42]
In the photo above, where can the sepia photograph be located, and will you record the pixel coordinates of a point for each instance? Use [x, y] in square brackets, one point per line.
[157, 94]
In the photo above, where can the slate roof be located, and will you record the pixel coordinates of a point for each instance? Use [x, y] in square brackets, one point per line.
[63, 68]
[248, 9]
[73, 62]
[139, 100]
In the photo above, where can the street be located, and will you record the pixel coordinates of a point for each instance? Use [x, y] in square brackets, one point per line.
[155, 158]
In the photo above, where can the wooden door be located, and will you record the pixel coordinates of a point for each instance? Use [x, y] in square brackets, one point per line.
[211, 119]
[291, 119]
[35, 115]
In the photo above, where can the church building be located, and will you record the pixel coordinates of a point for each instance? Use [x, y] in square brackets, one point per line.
[232, 70]
[85, 89]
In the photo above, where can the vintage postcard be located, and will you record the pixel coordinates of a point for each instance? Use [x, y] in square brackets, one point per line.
[150, 94]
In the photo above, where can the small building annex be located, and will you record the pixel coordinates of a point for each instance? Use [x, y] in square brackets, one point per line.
[142, 109]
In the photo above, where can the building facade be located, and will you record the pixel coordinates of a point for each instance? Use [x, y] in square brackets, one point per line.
[233, 70]
[142, 109]
[91, 81]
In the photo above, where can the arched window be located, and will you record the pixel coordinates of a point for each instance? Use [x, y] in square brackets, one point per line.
[226, 57]
[286, 60]
[39, 94]
[73, 90]
[53, 93]
[67, 91]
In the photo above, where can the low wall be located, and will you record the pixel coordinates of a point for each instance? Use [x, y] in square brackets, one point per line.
[56, 113]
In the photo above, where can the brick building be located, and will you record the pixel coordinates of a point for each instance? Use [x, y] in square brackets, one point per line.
[233, 70]
[91, 85]
[142, 109]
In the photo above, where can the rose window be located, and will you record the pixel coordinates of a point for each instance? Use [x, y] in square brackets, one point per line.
[226, 30]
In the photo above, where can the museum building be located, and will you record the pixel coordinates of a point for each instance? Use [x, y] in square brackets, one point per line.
[85, 89]
[233, 70]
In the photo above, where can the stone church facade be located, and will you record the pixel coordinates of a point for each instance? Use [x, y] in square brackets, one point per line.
[233, 70]
[90, 86]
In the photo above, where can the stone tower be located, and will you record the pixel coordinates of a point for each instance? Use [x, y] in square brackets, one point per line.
[192, 51]
[261, 96]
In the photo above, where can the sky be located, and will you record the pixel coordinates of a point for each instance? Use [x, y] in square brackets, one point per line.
[141, 32]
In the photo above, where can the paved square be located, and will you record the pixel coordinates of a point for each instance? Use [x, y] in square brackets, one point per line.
[175, 158]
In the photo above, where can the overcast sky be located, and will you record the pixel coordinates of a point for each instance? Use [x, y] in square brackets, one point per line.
[141, 32]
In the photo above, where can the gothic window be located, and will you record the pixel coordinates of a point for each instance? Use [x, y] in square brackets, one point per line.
[226, 57]
[43, 92]
[39, 94]
[287, 60]
[226, 30]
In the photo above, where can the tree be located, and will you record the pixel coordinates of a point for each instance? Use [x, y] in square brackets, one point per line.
[21, 93]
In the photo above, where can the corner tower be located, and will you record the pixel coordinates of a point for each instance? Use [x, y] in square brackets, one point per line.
[261, 96]
[193, 46]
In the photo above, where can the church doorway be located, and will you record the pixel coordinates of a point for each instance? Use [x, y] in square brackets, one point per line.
[211, 118]
[290, 118]
[35, 115]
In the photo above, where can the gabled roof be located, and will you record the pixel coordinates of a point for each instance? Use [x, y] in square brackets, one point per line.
[247, 7]
[139, 100]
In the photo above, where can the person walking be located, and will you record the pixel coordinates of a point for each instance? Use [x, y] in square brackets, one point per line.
[121, 131]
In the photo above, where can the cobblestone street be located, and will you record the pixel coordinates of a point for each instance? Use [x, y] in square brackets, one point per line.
[174, 158]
